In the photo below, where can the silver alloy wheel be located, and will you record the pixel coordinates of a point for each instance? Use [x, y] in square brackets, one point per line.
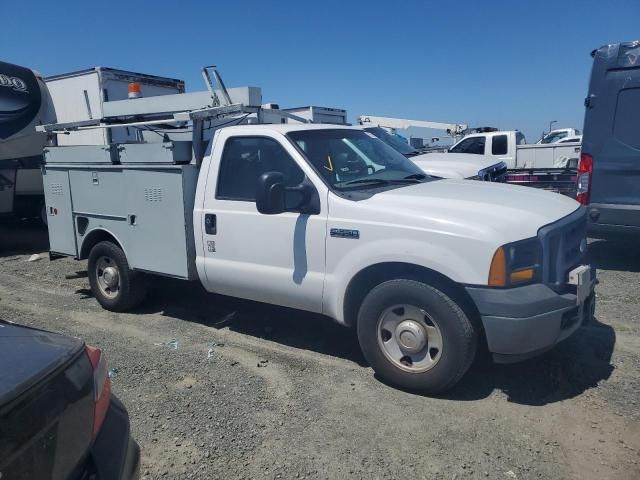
[410, 338]
[108, 277]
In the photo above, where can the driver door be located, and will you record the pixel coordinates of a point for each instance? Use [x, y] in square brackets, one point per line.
[276, 259]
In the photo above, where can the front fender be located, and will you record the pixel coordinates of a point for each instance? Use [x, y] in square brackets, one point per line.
[441, 259]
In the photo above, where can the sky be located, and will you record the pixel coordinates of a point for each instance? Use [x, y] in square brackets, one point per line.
[509, 64]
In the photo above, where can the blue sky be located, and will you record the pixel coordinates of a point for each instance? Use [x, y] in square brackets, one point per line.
[511, 64]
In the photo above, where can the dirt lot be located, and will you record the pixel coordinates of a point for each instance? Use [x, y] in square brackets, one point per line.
[284, 394]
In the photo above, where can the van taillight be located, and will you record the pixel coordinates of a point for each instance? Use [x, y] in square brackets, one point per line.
[101, 387]
[583, 180]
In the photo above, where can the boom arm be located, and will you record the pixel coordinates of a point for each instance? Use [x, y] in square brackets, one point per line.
[453, 129]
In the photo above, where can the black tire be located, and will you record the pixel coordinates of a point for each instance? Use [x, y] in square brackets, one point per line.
[459, 337]
[132, 286]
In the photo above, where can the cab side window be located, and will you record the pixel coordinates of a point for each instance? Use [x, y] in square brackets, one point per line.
[470, 145]
[244, 159]
[499, 145]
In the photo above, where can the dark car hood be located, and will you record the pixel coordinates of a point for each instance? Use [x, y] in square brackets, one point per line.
[28, 355]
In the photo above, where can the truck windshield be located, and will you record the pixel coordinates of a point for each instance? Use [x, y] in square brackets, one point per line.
[354, 159]
[393, 141]
[554, 137]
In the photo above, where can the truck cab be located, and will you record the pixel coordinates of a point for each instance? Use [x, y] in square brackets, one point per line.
[500, 145]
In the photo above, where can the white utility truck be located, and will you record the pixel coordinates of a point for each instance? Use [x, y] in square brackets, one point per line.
[442, 165]
[511, 148]
[327, 219]
[551, 166]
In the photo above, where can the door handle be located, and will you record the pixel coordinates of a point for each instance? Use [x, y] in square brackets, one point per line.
[210, 224]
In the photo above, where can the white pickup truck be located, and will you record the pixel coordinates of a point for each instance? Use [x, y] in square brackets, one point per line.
[446, 165]
[331, 220]
[511, 148]
[551, 166]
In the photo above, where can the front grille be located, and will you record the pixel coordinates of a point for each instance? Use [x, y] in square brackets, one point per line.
[494, 173]
[564, 248]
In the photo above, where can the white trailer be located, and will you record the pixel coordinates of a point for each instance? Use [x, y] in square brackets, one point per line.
[24, 103]
[81, 95]
[314, 114]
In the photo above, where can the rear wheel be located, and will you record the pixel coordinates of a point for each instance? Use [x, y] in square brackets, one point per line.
[415, 336]
[113, 283]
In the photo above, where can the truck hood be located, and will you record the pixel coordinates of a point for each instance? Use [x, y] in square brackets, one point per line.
[492, 212]
[452, 165]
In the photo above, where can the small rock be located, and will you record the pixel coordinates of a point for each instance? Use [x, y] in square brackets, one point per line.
[34, 258]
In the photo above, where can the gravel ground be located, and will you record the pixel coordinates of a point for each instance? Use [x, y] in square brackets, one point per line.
[285, 394]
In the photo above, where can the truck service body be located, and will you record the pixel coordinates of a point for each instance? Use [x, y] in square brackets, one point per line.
[329, 219]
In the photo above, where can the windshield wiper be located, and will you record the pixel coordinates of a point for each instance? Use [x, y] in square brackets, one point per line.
[415, 176]
[378, 181]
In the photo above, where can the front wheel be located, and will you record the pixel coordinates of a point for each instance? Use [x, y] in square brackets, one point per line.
[113, 283]
[416, 337]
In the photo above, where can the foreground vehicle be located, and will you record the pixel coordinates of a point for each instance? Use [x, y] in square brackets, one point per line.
[58, 418]
[609, 172]
[329, 220]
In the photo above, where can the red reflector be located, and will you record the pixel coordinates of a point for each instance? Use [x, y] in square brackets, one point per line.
[583, 180]
[101, 387]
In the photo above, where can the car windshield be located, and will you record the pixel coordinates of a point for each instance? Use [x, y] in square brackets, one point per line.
[354, 159]
[393, 141]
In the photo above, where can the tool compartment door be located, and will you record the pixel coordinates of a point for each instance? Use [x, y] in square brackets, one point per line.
[156, 221]
[57, 192]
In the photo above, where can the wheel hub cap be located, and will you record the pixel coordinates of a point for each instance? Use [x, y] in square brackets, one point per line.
[411, 336]
[111, 277]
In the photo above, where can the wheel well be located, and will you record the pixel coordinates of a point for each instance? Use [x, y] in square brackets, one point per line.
[95, 237]
[365, 280]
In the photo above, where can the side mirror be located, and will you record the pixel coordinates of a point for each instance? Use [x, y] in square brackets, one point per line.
[271, 193]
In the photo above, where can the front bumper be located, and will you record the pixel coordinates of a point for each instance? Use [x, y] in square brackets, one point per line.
[522, 322]
[115, 454]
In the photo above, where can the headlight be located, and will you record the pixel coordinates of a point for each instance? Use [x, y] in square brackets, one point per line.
[516, 263]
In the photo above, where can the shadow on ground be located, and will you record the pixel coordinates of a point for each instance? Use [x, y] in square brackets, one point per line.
[574, 366]
[22, 237]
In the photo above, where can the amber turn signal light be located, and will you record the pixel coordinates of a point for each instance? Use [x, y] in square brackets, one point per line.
[498, 269]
